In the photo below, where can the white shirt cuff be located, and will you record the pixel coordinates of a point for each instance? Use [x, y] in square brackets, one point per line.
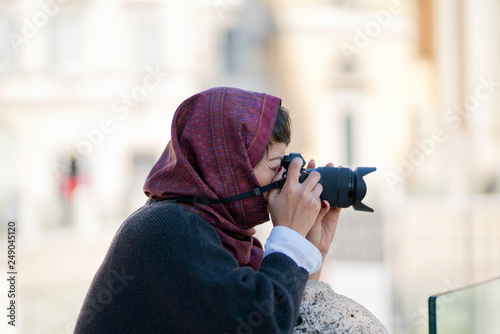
[289, 242]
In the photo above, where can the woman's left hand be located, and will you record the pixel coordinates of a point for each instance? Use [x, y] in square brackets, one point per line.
[322, 233]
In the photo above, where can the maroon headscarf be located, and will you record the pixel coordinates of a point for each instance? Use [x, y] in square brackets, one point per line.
[218, 137]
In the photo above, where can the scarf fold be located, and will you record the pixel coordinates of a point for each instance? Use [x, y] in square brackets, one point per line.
[217, 137]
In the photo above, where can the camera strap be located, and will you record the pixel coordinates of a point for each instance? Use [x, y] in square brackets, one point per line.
[255, 192]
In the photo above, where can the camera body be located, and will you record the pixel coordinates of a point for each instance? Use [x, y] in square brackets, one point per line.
[342, 187]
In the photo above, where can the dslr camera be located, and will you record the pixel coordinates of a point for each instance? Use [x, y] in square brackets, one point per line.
[342, 187]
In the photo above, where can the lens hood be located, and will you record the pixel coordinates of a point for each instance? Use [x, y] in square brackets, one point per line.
[360, 188]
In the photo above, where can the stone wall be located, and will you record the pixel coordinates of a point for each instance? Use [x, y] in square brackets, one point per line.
[324, 311]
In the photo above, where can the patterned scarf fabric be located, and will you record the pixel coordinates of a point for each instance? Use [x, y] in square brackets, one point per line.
[217, 138]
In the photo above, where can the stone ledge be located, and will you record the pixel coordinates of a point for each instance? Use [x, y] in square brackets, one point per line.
[324, 311]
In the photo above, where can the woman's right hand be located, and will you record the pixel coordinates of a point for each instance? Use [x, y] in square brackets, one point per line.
[296, 205]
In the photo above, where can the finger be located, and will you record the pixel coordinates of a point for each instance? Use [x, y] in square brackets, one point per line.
[275, 192]
[312, 180]
[325, 207]
[336, 209]
[317, 190]
[279, 174]
[292, 177]
[311, 164]
[330, 164]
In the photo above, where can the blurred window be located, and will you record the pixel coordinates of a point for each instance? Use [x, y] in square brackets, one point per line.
[140, 165]
[245, 41]
[67, 42]
[231, 51]
[348, 138]
[243, 51]
[348, 73]
[148, 41]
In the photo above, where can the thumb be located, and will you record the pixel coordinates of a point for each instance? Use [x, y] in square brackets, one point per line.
[273, 193]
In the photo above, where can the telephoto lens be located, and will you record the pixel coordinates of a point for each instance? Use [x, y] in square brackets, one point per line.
[342, 187]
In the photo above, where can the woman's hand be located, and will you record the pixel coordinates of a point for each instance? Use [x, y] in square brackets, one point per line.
[297, 205]
[322, 233]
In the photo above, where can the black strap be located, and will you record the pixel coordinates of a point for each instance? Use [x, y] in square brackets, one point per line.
[239, 197]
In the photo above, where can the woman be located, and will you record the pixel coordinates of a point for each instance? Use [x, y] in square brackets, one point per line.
[179, 265]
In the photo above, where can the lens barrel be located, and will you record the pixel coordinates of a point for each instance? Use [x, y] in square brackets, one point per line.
[343, 187]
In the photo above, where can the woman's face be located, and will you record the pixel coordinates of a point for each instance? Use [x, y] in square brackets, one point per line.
[269, 165]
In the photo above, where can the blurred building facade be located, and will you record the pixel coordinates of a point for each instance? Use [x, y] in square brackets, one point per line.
[88, 90]
[412, 88]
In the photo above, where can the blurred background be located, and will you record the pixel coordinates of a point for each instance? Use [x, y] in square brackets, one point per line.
[88, 90]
